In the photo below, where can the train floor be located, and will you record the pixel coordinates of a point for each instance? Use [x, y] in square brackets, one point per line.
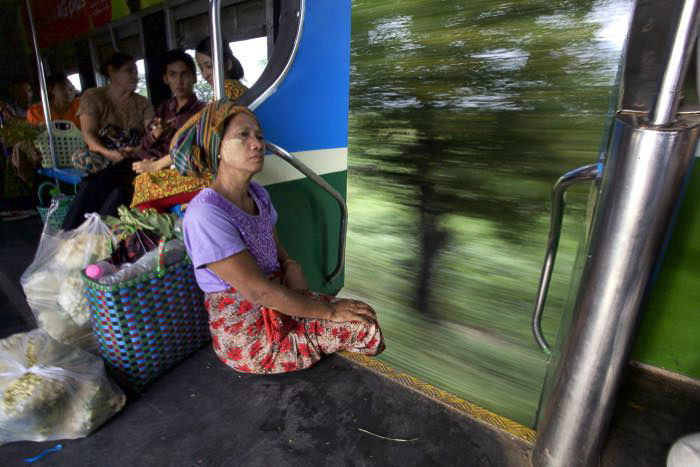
[338, 413]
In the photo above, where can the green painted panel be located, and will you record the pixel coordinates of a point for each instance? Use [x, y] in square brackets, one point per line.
[309, 227]
[670, 333]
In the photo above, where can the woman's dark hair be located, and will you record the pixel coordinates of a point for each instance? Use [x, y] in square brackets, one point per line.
[116, 61]
[54, 79]
[236, 71]
[177, 55]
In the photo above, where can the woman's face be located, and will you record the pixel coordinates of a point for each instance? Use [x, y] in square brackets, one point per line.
[242, 147]
[206, 67]
[63, 92]
[126, 76]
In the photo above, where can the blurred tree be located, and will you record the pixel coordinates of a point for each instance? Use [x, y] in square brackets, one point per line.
[455, 104]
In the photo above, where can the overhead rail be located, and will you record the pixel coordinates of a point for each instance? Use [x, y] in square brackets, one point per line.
[314, 177]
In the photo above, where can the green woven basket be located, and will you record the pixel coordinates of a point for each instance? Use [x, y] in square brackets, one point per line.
[56, 211]
[148, 324]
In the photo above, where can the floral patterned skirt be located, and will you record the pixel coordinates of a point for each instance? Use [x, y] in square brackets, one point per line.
[255, 339]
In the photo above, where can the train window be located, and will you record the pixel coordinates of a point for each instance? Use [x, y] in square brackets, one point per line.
[252, 53]
[75, 81]
[141, 87]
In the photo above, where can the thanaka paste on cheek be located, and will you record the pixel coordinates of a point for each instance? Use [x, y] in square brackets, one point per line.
[229, 148]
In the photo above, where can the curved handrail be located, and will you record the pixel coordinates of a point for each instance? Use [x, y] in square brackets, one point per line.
[587, 172]
[314, 177]
[276, 84]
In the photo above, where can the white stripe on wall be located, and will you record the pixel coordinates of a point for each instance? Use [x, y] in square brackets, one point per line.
[321, 161]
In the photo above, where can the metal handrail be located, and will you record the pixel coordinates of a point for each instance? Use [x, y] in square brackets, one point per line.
[314, 177]
[587, 172]
[42, 86]
[217, 51]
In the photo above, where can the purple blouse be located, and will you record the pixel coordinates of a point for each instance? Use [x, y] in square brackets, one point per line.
[215, 229]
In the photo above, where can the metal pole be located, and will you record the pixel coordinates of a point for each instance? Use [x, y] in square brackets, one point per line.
[100, 80]
[42, 86]
[217, 51]
[169, 27]
[666, 105]
[641, 186]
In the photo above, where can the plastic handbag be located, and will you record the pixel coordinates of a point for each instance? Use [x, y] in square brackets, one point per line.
[148, 323]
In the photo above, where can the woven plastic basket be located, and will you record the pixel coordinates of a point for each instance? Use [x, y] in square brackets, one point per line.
[148, 324]
[66, 138]
[56, 211]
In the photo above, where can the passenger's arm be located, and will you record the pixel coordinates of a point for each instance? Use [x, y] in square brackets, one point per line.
[152, 165]
[292, 275]
[89, 128]
[242, 272]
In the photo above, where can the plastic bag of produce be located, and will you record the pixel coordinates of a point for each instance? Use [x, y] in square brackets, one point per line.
[52, 283]
[50, 390]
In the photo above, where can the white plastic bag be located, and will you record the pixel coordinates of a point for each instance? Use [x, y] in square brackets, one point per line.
[52, 283]
[685, 452]
[50, 390]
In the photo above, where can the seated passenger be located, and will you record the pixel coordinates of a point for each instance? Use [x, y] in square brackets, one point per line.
[20, 98]
[233, 70]
[261, 315]
[62, 100]
[158, 186]
[112, 120]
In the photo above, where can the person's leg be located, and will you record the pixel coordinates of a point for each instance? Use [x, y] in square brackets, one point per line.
[354, 336]
[118, 196]
[88, 199]
[101, 192]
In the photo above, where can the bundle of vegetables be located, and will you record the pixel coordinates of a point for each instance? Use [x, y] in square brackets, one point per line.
[17, 131]
[52, 283]
[49, 390]
[139, 231]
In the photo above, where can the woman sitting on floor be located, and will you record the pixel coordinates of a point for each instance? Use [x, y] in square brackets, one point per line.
[262, 317]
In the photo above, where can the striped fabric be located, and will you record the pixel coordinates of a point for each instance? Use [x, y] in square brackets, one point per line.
[195, 147]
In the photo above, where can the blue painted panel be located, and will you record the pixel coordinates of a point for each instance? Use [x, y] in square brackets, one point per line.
[310, 108]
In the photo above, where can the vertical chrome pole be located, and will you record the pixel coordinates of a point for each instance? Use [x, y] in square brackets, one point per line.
[100, 80]
[642, 185]
[667, 101]
[42, 85]
[217, 51]
[169, 27]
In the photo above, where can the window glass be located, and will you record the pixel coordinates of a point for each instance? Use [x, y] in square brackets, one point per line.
[75, 81]
[141, 87]
[252, 53]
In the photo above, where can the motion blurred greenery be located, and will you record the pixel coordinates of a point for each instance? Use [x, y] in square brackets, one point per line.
[462, 117]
